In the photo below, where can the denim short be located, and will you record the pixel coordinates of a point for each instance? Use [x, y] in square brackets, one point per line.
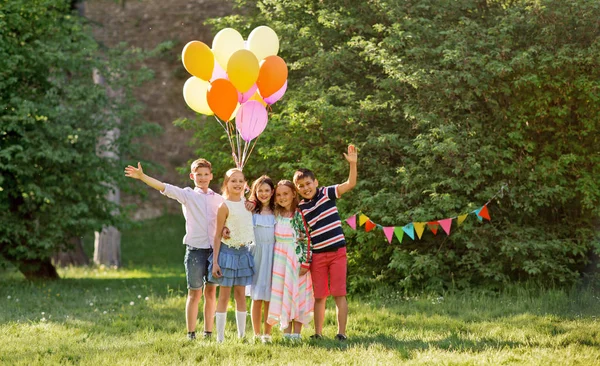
[196, 267]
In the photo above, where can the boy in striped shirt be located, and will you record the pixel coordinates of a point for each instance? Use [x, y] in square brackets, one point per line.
[327, 246]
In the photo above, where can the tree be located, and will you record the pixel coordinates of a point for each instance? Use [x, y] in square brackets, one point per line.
[53, 184]
[447, 101]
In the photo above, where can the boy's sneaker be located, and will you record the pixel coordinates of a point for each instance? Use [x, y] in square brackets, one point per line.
[191, 336]
[207, 335]
[341, 337]
[316, 336]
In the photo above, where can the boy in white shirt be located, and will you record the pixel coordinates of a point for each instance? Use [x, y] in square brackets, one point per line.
[199, 207]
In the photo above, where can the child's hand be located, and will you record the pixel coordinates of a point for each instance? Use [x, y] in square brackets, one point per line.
[352, 155]
[303, 271]
[250, 205]
[133, 172]
[226, 233]
[216, 270]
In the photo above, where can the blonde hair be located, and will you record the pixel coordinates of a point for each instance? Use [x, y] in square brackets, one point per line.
[201, 163]
[278, 208]
[228, 175]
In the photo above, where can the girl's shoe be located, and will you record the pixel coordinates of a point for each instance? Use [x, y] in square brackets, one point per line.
[266, 338]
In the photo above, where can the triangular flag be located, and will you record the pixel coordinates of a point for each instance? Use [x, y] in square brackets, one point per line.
[389, 233]
[484, 213]
[462, 218]
[433, 226]
[351, 221]
[419, 228]
[446, 224]
[409, 229]
[477, 214]
[399, 233]
[362, 219]
[370, 225]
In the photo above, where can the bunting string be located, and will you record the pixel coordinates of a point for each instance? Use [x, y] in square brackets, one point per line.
[418, 227]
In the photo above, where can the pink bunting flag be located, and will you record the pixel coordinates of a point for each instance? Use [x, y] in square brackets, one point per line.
[351, 221]
[446, 224]
[389, 233]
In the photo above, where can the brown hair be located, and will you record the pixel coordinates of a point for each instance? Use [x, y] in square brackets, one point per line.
[290, 185]
[303, 173]
[253, 193]
[201, 163]
[228, 175]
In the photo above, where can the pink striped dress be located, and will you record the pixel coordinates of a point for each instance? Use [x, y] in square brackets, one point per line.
[291, 295]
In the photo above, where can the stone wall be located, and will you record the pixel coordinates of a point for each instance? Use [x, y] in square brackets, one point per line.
[145, 24]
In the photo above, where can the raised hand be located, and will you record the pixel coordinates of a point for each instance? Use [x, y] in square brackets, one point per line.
[133, 172]
[352, 155]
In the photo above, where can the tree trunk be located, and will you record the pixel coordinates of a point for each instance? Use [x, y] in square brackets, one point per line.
[107, 243]
[73, 257]
[37, 269]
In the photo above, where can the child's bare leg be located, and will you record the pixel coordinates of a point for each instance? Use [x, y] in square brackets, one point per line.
[319, 315]
[210, 305]
[342, 313]
[297, 327]
[224, 294]
[256, 313]
[268, 326]
[288, 330]
[191, 309]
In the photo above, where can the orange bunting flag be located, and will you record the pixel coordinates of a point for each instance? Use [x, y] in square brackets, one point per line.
[389, 233]
[446, 224]
[484, 213]
[370, 225]
[462, 218]
[362, 219]
[419, 228]
[433, 226]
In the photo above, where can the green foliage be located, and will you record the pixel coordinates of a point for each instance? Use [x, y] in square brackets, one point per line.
[53, 184]
[447, 101]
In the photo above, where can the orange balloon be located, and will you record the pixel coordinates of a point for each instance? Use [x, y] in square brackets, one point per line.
[222, 98]
[272, 75]
[198, 59]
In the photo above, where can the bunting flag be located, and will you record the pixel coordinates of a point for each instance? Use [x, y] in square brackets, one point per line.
[409, 229]
[369, 225]
[484, 213]
[362, 219]
[433, 226]
[399, 234]
[446, 224]
[351, 221]
[419, 228]
[389, 233]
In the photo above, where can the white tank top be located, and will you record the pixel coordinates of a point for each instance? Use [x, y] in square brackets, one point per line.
[239, 223]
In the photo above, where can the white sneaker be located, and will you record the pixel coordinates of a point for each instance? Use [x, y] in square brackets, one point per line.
[266, 338]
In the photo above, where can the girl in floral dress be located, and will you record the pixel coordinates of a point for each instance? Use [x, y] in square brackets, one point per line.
[292, 300]
[231, 264]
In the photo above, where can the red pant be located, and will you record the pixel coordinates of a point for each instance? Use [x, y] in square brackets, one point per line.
[329, 267]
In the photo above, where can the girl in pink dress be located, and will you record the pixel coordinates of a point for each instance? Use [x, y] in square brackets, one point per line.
[292, 300]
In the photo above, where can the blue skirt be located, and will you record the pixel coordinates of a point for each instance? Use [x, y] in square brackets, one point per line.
[237, 267]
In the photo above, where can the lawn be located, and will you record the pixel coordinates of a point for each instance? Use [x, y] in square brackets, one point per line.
[135, 315]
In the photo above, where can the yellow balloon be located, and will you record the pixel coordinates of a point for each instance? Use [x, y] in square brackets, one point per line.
[242, 70]
[258, 98]
[198, 59]
[225, 43]
[263, 42]
[194, 94]
[235, 112]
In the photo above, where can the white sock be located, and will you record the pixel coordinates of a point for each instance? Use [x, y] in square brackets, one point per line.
[240, 319]
[296, 336]
[221, 320]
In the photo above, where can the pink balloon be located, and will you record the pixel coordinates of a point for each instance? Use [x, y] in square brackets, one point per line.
[251, 120]
[218, 72]
[243, 97]
[277, 95]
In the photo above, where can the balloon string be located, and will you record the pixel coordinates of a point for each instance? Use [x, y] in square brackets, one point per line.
[252, 149]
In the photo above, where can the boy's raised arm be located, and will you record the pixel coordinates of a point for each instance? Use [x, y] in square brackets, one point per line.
[352, 158]
[138, 173]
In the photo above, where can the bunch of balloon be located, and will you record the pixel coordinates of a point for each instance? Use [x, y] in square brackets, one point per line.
[236, 79]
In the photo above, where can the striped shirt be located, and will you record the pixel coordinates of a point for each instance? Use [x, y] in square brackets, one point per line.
[321, 215]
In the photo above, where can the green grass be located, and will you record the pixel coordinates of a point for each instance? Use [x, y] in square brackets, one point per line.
[135, 315]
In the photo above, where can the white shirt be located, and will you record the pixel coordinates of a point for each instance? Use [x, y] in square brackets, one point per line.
[200, 212]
